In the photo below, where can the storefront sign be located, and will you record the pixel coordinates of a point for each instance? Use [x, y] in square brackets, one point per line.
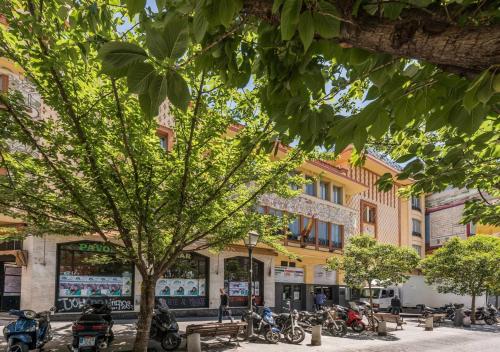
[323, 276]
[288, 274]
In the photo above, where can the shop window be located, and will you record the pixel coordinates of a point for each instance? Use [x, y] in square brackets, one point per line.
[294, 229]
[236, 280]
[416, 228]
[324, 190]
[308, 230]
[287, 292]
[337, 195]
[311, 186]
[90, 272]
[323, 239]
[336, 235]
[297, 293]
[184, 285]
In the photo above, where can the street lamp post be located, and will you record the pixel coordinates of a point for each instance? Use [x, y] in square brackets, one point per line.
[250, 242]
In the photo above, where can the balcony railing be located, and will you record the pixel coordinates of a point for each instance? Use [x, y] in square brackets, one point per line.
[31, 96]
[11, 245]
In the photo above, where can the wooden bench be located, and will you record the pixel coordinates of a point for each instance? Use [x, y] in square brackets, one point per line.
[437, 319]
[217, 329]
[390, 318]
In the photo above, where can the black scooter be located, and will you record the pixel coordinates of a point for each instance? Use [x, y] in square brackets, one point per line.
[164, 328]
[93, 330]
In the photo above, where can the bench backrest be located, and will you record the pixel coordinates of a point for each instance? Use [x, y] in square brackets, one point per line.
[223, 329]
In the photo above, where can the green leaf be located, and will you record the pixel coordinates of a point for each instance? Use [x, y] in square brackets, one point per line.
[326, 25]
[276, 6]
[157, 93]
[470, 99]
[135, 6]
[393, 10]
[381, 125]
[200, 25]
[177, 90]
[176, 36]
[118, 56]
[139, 77]
[226, 10]
[306, 29]
[290, 18]
[160, 4]
[485, 91]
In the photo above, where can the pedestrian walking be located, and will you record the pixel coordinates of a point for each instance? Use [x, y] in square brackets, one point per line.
[395, 305]
[224, 306]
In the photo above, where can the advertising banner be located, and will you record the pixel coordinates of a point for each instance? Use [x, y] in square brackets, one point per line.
[289, 275]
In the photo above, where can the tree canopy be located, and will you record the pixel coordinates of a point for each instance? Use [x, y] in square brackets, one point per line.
[465, 267]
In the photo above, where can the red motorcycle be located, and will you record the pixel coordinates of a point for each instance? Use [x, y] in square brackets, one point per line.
[352, 318]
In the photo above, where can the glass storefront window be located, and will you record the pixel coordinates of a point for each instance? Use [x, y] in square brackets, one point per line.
[185, 283]
[236, 280]
[90, 272]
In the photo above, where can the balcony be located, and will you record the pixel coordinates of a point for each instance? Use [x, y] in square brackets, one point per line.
[31, 98]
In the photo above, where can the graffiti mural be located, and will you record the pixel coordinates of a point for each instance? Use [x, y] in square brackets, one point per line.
[75, 304]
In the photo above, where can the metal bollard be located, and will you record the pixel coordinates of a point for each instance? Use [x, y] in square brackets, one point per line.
[193, 343]
[316, 335]
[429, 324]
[382, 328]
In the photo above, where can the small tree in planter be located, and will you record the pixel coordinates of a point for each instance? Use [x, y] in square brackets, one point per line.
[465, 267]
[365, 260]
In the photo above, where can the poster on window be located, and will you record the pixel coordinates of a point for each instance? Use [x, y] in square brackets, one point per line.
[180, 287]
[238, 288]
[89, 286]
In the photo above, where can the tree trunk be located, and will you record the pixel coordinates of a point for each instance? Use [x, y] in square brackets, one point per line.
[473, 309]
[145, 314]
[459, 49]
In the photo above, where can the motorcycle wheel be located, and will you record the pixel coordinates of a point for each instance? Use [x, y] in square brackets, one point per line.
[271, 336]
[358, 326]
[490, 321]
[339, 329]
[18, 347]
[297, 337]
[171, 342]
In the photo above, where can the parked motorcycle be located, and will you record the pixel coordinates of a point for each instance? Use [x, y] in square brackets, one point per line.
[30, 331]
[93, 329]
[488, 314]
[287, 324]
[326, 318]
[352, 318]
[264, 325]
[164, 328]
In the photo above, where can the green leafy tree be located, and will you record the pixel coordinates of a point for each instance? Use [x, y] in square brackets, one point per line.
[92, 163]
[365, 260]
[465, 267]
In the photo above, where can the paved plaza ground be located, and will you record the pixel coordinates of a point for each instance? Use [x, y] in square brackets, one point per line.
[411, 338]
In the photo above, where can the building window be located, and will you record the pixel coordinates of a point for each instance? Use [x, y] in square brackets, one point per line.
[294, 228]
[324, 190]
[336, 235]
[323, 238]
[337, 195]
[417, 249]
[275, 212]
[89, 272]
[309, 230]
[164, 142]
[260, 209]
[369, 214]
[293, 185]
[416, 228]
[236, 280]
[4, 83]
[184, 285]
[310, 186]
[415, 203]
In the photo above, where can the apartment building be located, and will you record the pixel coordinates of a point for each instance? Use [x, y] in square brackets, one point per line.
[338, 201]
[444, 213]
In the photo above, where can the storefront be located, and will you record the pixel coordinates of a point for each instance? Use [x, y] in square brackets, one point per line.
[290, 288]
[325, 282]
[88, 272]
[236, 271]
[185, 285]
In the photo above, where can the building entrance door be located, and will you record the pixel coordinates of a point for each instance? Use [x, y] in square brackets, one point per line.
[293, 293]
[10, 286]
